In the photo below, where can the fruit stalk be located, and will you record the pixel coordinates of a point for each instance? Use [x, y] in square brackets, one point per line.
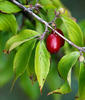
[46, 24]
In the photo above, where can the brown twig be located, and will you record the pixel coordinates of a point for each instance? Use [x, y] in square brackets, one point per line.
[46, 24]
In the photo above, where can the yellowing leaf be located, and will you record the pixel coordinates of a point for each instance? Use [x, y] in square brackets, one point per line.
[42, 63]
[20, 38]
[64, 89]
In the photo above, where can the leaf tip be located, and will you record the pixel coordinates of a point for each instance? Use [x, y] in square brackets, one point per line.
[13, 83]
[31, 78]
[40, 89]
[2, 12]
[48, 94]
[76, 97]
[54, 92]
[6, 51]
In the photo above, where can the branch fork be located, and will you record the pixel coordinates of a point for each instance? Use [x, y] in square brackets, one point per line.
[47, 25]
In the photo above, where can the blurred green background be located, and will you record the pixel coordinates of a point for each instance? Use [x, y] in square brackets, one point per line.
[77, 8]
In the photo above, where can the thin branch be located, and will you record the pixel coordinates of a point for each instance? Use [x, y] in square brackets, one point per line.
[56, 16]
[46, 23]
[43, 35]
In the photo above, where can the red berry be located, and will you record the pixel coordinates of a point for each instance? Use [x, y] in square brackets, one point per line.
[53, 43]
[61, 39]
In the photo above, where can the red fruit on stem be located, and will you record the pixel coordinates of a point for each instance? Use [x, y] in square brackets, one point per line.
[61, 39]
[53, 43]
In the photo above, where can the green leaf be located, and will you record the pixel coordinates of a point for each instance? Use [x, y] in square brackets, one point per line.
[2, 0]
[64, 89]
[45, 2]
[82, 81]
[76, 70]
[66, 63]
[82, 26]
[57, 3]
[23, 1]
[51, 14]
[73, 30]
[42, 63]
[67, 48]
[30, 24]
[30, 67]
[31, 90]
[8, 7]
[39, 27]
[8, 23]
[22, 58]
[20, 38]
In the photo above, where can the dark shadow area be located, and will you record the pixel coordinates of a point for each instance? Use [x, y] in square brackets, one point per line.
[77, 8]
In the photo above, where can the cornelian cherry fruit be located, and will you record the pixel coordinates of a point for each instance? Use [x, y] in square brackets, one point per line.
[61, 39]
[54, 42]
